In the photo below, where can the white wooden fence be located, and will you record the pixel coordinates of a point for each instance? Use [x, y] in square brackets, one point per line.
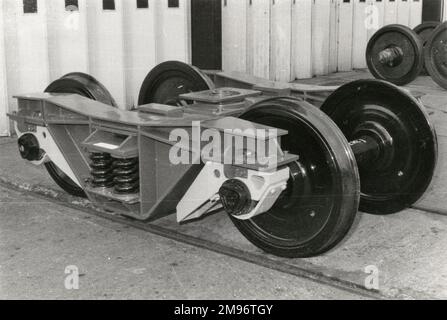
[292, 39]
[118, 47]
[277, 39]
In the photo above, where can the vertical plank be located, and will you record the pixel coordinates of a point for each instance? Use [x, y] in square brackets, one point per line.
[302, 39]
[403, 12]
[234, 35]
[345, 35]
[390, 15]
[26, 46]
[33, 48]
[375, 16]
[67, 39]
[11, 9]
[360, 33]
[4, 122]
[333, 35]
[281, 35]
[140, 53]
[173, 31]
[320, 36]
[106, 43]
[415, 13]
[258, 38]
[444, 16]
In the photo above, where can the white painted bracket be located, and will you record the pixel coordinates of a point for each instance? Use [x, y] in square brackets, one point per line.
[202, 193]
[52, 152]
[202, 197]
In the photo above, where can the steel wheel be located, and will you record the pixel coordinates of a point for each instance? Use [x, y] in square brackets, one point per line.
[321, 201]
[425, 30]
[436, 55]
[405, 167]
[170, 79]
[406, 68]
[64, 181]
[86, 86]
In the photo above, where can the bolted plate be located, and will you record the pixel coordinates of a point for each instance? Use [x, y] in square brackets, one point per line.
[86, 86]
[321, 201]
[436, 55]
[220, 95]
[170, 79]
[405, 167]
[401, 70]
[425, 30]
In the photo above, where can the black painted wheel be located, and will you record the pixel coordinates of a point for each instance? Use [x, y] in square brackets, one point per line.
[321, 201]
[405, 165]
[170, 79]
[64, 181]
[436, 55]
[86, 86]
[405, 45]
[425, 30]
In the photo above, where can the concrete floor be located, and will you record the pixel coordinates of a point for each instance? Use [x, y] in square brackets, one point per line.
[38, 239]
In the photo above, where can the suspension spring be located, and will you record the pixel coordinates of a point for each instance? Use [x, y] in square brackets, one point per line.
[101, 170]
[126, 176]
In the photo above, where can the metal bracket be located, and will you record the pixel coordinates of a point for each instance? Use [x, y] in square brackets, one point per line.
[52, 151]
[202, 197]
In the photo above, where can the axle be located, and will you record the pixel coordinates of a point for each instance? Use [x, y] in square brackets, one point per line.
[366, 149]
[391, 56]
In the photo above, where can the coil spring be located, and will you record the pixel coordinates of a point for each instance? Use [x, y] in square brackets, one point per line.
[126, 177]
[101, 170]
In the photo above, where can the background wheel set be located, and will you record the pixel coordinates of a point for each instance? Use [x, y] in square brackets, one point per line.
[398, 54]
[371, 145]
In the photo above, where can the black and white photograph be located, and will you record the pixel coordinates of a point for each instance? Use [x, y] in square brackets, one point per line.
[224, 155]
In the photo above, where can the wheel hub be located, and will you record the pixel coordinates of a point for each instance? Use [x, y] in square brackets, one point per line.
[394, 143]
[321, 199]
[395, 54]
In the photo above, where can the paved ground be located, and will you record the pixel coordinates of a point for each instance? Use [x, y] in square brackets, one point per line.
[38, 239]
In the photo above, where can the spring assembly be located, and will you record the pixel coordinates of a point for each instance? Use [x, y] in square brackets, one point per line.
[126, 176]
[101, 170]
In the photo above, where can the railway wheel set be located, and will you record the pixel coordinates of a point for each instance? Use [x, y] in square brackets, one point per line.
[399, 54]
[370, 147]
